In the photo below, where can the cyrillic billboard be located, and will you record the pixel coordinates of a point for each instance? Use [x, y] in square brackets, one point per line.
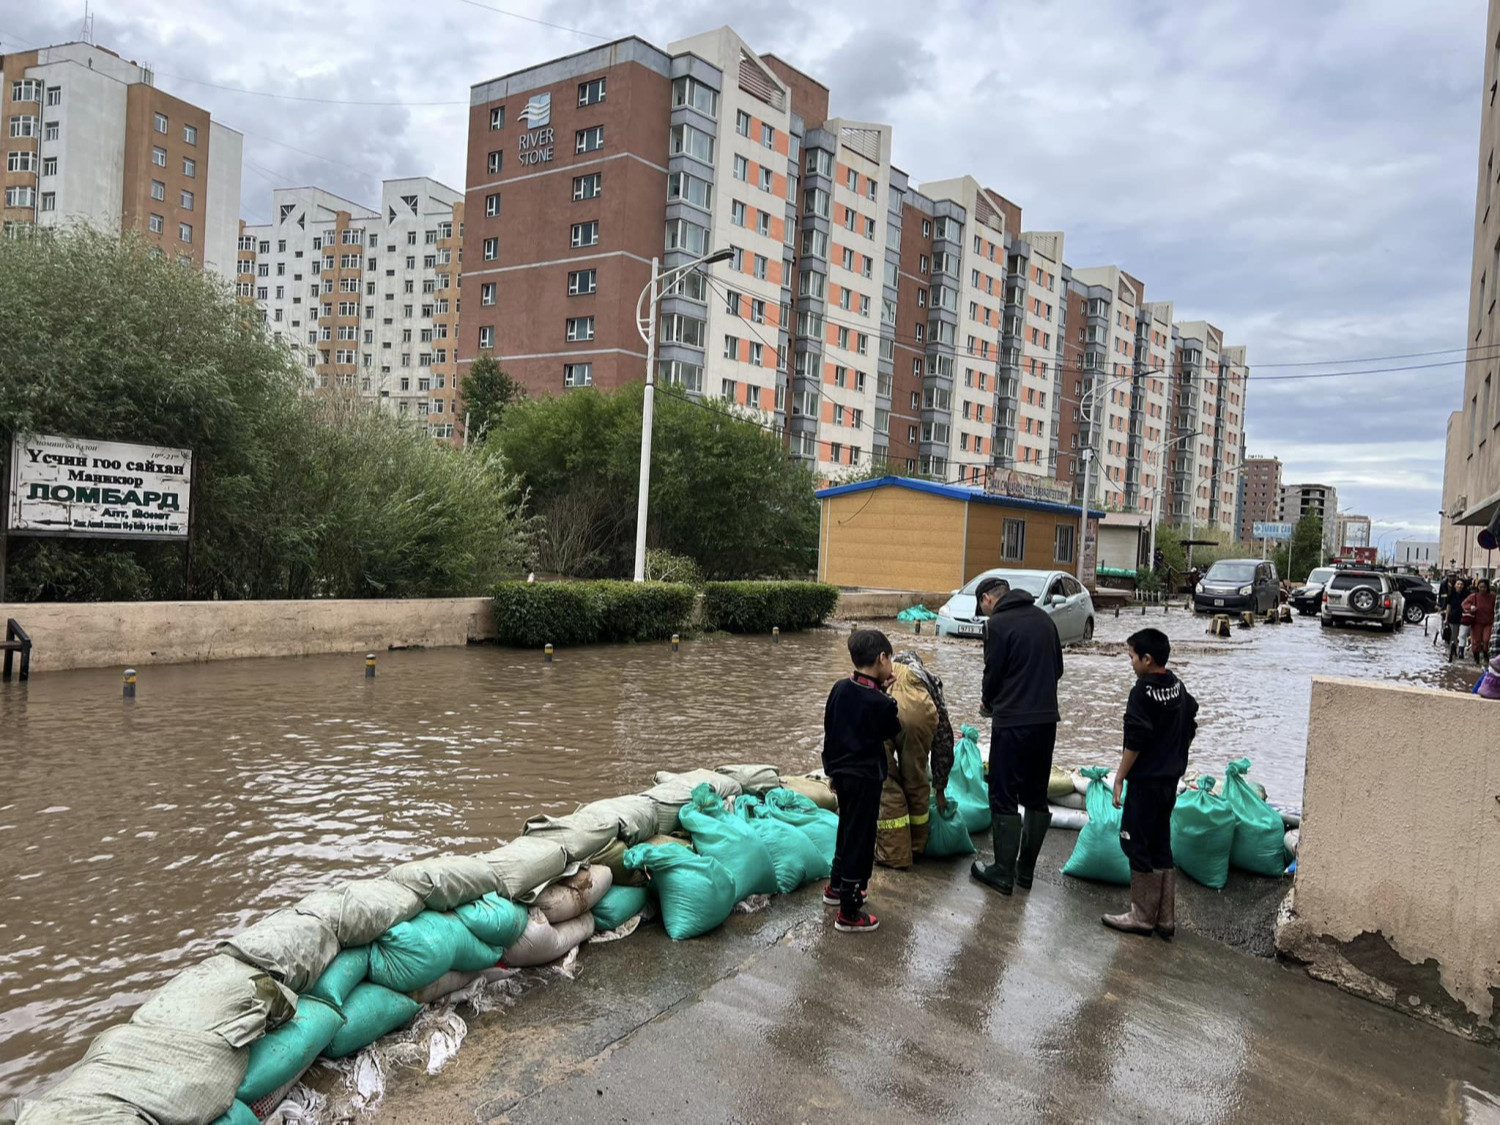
[103, 489]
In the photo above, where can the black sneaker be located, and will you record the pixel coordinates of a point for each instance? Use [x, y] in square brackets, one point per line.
[831, 896]
[861, 924]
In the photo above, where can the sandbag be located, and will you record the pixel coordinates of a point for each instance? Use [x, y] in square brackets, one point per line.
[525, 866]
[618, 906]
[570, 897]
[815, 789]
[672, 838]
[411, 955]
[494, 920]
[1068, 818]
[966, 784]
[237, 1114]
[579, 834]
[173, 1077]
[1059, 784]
[338, 980]
[1203, 833]
[946, 834]
[1291, 840]
[542, 942]
[370, 1012]
[794, 857]
[443, 882]
[695, 892]
[1069, 800]
[1098, 855]
[221, 994]
[294, 948]
[1258, 831]
[281, 1056]
[718, 833]
[635, 815]
[754, 780]
[821, 825]
[360, 910]
[674, 790]
[612, 856]
[49, 1109]
[450, 982]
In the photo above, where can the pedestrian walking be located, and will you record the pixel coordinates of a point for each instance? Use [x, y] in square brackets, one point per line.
[1022, 664]
[1455, 630]
[1480, 606]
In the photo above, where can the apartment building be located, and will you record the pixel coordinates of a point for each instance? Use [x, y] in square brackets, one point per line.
[1102, 384]
[89, 139]
[1209, 395]
[1321, 500]
[1353, 531]
[366, 296]
[1260, 494]
[1150, 398]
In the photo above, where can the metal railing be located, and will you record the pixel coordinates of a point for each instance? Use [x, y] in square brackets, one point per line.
[16, 640]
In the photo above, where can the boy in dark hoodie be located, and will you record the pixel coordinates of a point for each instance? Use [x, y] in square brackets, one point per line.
[1160, 722]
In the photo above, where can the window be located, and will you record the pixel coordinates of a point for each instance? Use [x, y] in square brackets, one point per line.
[767, 135]
[49, 201]
[757, 354]
[491, 249]
[679, 329]
[578, 374]
[495, 159]
[737, 213]
[589, 140]
[582, 282]
[486, 336]
[158, 190]
[728, 389]
[591, 92]
[762, 265]
[763, 223]
[731, 347]
[1062, 543]
[492, 205]
[161, 122]
[732, 302]
[689, 141]
[50, 131]
[25, 162]
[26, 90]
[497, 117]
[184, 232]
[185, 199]
[20, 197]
[758, 311]
[683, 235]
[158, 224]
[700, 193]
[689, 91]
[765, 179]
[580, 328]
[189, 167]
[1013, 539]
[586, 234]
[741, 168]
[159, 156]
[742, 123]
[588, 187]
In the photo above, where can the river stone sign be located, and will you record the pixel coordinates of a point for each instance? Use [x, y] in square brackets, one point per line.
[99, 489]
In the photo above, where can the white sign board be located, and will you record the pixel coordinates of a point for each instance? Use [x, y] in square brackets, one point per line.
[102, 489]
[1271, 530]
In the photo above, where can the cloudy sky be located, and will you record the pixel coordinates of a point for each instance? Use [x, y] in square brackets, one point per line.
[1300, 174]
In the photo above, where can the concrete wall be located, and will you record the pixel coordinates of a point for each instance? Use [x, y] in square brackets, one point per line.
[105, 634]
[1398, 871]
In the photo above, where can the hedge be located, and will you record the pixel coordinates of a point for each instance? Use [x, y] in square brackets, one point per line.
[756, 607]
[532, 614]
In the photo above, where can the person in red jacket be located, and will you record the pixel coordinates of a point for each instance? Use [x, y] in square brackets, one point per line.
[1481, 604]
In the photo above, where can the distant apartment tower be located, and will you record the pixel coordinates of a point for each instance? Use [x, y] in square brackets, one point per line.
[1321, 500]
[367, 297]
[89, 139]
[1208, 426]
[1260, 494]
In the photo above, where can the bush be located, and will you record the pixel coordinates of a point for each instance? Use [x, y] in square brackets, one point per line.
[757, 607]
[663, 566]
[532, 614]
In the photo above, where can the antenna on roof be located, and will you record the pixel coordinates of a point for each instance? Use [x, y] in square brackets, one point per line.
[87, 33]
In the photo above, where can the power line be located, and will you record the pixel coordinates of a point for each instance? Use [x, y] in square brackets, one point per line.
[535, 20]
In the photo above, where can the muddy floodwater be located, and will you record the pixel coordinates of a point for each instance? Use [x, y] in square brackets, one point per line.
[134, 836]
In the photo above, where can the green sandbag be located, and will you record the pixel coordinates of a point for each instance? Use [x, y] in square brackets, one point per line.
[821, 826]
[718, 833]
[413, 954]
[946, 834]
[493, 919]
[618, 906]
[1098, 855]
[612, 856]
[794, 857]
[370, 1012]
[966, 784]
[1258, 831]
[281, 1056]
[338, 980]
[696, 892]
[1203, 833]
[916, 613]
[237, 1114]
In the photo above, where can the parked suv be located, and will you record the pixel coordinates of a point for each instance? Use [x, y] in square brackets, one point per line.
[1307, 599]
[1421, 598]
[1235, 585]
[1365, 596]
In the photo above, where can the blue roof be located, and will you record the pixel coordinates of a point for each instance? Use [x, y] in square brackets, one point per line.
[954, 492]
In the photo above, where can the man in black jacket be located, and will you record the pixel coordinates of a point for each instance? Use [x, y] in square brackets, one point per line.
[1022, 664]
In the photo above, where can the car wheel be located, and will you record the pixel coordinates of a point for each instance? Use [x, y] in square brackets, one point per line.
[1415, 614]
[1088, 630]
[1363, 598]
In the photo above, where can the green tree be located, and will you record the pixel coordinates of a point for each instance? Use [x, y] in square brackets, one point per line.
[1304, 552]
[487, 390]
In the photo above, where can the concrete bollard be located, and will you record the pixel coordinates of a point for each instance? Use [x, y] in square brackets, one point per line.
[676, 640]
[1117, 609]
[547, 654]
[369, 665]
[775, 634]
[918, 629]
[129, 683]
[854, 626]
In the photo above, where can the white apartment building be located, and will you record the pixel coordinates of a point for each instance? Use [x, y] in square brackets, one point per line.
[366, 297]
[1108, 335]
[90, 140]
[1150, 399]
[1036, 262]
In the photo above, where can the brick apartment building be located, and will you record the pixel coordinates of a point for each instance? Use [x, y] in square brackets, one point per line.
[1260, 494]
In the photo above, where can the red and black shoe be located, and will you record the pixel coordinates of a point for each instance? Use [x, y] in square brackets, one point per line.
[831, 896]
[862, 923]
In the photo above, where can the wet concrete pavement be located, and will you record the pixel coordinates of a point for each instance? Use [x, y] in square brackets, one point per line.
[964, 1006]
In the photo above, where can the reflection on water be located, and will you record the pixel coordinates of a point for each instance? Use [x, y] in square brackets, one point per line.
[132, 837]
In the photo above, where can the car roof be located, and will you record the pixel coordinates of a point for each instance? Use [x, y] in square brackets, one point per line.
[1001, 572]
[1351, 573]
[1257, 562]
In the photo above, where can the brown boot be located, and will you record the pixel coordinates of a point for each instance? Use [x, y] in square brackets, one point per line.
[1145, 900]
[1166, 920]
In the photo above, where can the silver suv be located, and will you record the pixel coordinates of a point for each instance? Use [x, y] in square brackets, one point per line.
[1362, 595]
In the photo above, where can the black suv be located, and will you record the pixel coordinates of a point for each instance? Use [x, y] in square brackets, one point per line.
[1420, 597]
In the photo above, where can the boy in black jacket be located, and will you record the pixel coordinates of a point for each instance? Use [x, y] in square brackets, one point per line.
[857, 720]
[1160, 722]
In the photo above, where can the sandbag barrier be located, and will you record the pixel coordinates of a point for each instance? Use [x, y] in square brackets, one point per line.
[228, 1039]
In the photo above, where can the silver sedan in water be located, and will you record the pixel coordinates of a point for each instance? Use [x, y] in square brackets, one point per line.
[1059, 594]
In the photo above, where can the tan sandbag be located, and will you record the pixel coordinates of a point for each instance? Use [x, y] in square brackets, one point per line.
[50, 1110]
[816, 790]
[757, 779]
[570, 897]
[360, 910]
[1059, 783]
[542, 943]
[580, 834]
[444, 882]
[525, 866]
[172, 1077]
[224, 995]
[294, 948]
[452, 981]
[635, 814]
[722, 784]
[612, 856]
[664, 838]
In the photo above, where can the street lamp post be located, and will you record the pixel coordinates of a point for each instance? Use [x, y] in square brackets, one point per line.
[645, 324]
[1088, 452]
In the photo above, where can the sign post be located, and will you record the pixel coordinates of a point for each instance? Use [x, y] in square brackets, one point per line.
[78, 488]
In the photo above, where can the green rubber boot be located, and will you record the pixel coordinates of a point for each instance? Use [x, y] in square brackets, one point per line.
[1033, 832]
[1005, 833]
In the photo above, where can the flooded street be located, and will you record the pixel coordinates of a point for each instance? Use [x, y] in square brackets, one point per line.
[134, 836]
